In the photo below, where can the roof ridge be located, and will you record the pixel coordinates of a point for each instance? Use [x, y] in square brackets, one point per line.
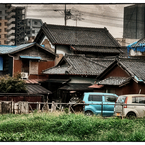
[94, 62]
[44, 26]
[78, 27]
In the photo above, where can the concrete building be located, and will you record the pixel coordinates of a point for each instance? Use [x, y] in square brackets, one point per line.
[134, 21]
[3, 24]
[16, 31]
[32, 27]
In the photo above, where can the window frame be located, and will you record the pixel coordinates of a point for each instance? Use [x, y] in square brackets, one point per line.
[91, 98]
[109, 96]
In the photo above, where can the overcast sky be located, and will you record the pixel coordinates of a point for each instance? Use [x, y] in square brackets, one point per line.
[90, 15]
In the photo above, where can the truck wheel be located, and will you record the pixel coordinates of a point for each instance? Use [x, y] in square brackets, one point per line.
[131, 115]
[89, 113]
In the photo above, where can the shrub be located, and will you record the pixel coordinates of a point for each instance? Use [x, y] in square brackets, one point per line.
[12, 84]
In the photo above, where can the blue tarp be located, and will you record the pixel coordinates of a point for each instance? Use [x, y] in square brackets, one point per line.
[140, 48]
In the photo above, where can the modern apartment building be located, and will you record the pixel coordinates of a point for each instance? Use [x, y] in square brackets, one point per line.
[15, 22]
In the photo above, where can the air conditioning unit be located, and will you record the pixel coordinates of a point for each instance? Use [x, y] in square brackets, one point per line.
[24, 75]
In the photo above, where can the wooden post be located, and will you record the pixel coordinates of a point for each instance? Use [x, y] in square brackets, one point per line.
[39, 106]
[31, 107]
[53, 106]
[69, 108]
[122, 112]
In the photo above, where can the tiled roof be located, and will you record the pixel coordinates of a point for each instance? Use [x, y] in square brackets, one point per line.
[78, 65]
[104, 61]
[69, 35]
[95, 49]
[116, 81]
[5, 49]
[136, 67]
[124, 52]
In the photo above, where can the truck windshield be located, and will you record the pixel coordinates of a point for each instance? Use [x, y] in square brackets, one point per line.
[121, 99]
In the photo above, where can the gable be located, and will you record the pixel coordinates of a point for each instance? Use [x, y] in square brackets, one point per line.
[35, 52]
[117, 71]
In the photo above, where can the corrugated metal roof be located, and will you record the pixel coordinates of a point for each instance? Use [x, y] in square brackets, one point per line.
[9, 49]
[34, 81]
[37, 89]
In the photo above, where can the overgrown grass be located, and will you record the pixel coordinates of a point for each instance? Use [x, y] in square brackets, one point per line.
[69, 127]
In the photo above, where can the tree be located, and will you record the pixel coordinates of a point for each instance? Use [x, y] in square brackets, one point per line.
[12, 84]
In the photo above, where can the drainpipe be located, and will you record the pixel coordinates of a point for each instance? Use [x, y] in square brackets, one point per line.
[12, 64]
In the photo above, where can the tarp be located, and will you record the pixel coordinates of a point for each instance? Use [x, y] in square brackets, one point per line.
[140, 48]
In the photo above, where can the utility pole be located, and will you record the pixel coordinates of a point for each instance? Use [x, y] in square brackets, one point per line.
[65, 15]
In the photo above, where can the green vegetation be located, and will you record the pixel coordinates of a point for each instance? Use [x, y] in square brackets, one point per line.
[12, 84]
[69, 127]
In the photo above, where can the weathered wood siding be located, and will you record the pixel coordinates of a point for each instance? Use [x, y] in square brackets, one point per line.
[35, 67]
[35, 51]
[117, 72]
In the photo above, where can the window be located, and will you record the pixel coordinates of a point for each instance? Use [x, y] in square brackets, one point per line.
[138, 100]
[5, 35]
[110, 98]
[35, 23]
[25, 65]
[95, 98]
[0, 36]
[121, 99]
[5, 42]
[0, 30]
[0, 12]
[0, 24]
[0, 18]
[5, 29]
[33, 31]
[5, 23]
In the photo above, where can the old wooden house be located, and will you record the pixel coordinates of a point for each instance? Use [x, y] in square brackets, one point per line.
[92, 42]
[123, 76]
[28, 59]
[73, 75]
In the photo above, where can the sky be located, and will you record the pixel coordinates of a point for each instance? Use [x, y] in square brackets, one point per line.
[84, 15]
